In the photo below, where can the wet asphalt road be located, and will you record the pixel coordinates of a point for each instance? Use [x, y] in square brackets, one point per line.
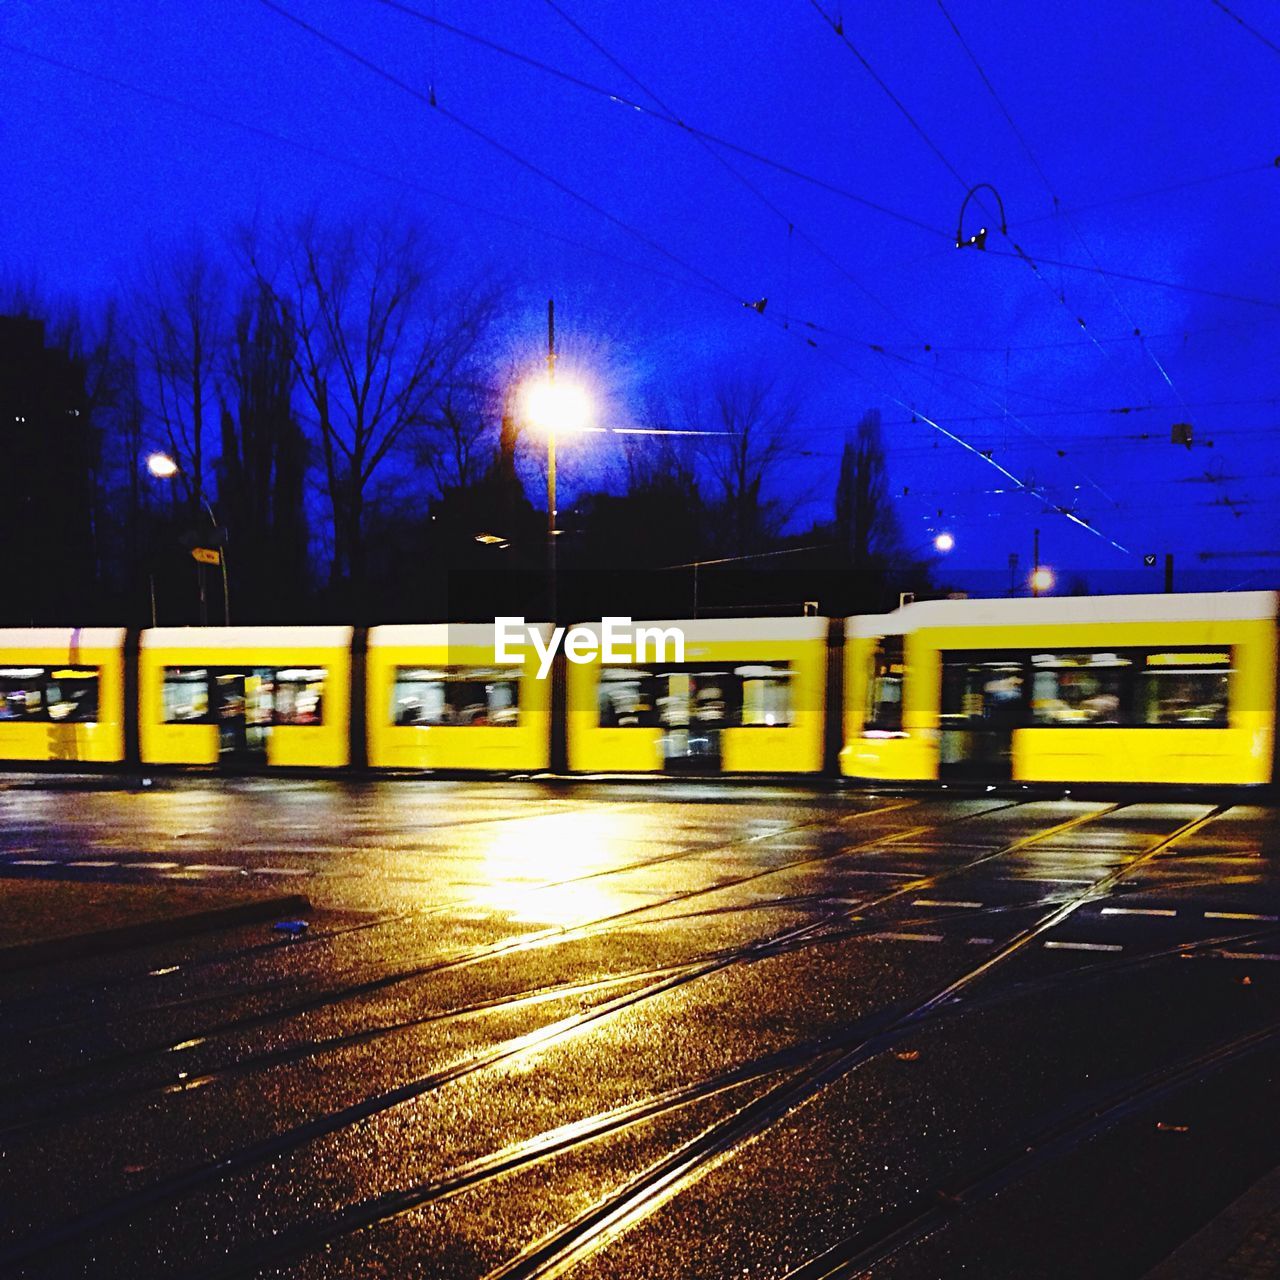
[643, 1032]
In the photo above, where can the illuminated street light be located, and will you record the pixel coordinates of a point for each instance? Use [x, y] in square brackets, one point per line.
[944, 542]
[1041, 580]
[553, 407]
[163, 467]
[490, 539]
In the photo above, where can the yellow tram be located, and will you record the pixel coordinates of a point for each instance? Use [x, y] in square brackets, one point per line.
[748, 697]
[245, 696]
[62, 694]
[1174, 689]
[1161, 689]
[437, 699]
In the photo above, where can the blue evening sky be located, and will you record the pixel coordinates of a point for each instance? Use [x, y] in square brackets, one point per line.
[1156, 126]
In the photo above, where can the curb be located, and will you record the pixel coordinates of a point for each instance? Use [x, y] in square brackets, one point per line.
[1204, 1254]
[78, 946]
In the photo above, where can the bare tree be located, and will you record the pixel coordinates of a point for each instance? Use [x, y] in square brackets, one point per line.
[459, 443]
[866, 527]
[181, 330]
[758, 417]
[379, 339]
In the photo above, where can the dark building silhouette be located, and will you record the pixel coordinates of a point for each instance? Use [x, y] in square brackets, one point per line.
[47, 480]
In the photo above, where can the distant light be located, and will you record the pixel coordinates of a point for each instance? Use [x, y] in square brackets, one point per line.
[1042, 579]
[490, 539]
[557, 406]
[162, 466]
[944, 542]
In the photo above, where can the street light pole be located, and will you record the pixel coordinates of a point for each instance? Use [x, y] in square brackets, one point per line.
[163, 467]
[551, 465]
[559, 757]
[1035, 566]
[222, 558]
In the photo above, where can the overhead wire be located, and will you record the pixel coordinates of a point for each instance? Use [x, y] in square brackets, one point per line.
[1053, 195]
[1253, 31]
[370, 65]
[347, 162]
[664, 116]
[706, 143]
[786, 218]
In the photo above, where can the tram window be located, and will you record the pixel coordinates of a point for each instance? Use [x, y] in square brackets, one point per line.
[982, 694]
[186, 695]
[22, 693]
[765, 695]
[1186, 689]
[299, 695]
[453, 696]
[884, 691]
[1072, 689]
[71, 695]
[64, 695]
[628, 698]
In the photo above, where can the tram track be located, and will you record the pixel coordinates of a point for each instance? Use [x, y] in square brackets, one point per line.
[831, 1064]
[940, 1206]
[512, 944]
[559, 1250]
[305, 1237]
[59, 1109]
[685, 852]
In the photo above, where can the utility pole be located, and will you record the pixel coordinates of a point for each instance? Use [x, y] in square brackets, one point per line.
[551, 466]
[1035, 565]
[559, 686]
[1168, 572]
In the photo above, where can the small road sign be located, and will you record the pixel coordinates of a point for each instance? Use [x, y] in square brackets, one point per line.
[1149, 562]
[206, 555]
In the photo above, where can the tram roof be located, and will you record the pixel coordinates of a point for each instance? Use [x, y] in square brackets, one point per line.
[1197, 606]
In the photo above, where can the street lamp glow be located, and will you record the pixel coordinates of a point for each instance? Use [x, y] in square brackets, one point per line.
[1042, 579]
[162, 466]
[944, 542]
[557, 406]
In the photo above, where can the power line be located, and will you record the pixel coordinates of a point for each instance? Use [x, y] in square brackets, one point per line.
[1253, 31]
[356, 166]
[1126, 275]
[663, 115]
[1167, 189]
[837, 25]
[429, 100]
[1053, 195]
[791, 224]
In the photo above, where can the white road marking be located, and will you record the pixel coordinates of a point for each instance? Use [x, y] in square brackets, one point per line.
[908, 937]
[1083, 946]
[980, 942]
[211, 866]
[1245, 955]
[92, 862]
[1237, 915]
[280, 871]
[943, 902]
[152, 866]
[34, 862]
[1137, 911]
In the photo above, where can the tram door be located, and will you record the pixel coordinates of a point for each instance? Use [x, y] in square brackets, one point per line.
[242, 706]
[983, 702]
[692, 714]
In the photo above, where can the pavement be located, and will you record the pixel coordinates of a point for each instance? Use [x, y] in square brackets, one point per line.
[42, 920]
[659, 1032]
[1241, 1243]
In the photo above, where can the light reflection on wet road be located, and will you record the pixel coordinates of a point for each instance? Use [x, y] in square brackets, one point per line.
[640, 1031]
